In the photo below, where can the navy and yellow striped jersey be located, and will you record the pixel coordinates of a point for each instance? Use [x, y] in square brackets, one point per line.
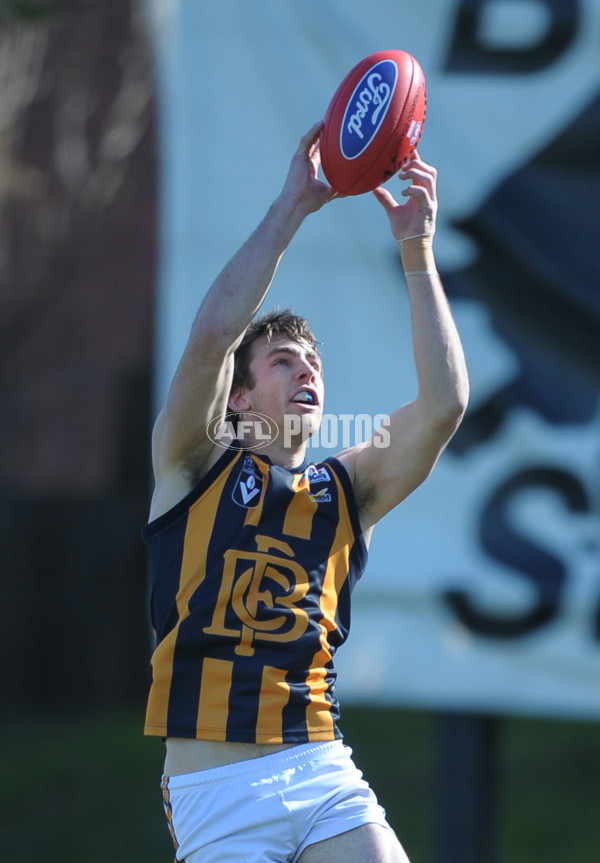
[251, 578]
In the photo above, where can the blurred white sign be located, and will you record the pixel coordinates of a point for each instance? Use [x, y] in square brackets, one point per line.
[483, 589]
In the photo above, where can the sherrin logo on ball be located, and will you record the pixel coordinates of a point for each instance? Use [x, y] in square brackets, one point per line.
[374, 122]
[367, 108]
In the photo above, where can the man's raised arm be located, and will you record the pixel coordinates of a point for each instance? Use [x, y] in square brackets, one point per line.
[419, 430]
[200, 387]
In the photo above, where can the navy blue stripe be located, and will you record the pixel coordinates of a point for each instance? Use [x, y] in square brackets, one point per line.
[279, 490]
[359, 551]
[166, 556]
[294, 713]
[244, 700]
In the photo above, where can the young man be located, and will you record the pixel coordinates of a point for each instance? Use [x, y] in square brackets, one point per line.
[254, 552]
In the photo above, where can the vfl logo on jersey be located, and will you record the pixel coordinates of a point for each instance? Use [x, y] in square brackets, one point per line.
[318, 474]
[367, 108]
[259, 596]
[321, 496]
[249, 485]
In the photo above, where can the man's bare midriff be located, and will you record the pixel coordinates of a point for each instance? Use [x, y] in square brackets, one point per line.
[188, 756]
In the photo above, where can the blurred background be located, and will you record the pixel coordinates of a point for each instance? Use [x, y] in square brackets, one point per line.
[140, 144]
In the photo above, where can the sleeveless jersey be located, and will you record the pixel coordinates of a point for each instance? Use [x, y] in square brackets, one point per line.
[251, 576]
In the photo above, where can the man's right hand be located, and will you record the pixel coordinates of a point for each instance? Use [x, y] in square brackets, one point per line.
[302, 183]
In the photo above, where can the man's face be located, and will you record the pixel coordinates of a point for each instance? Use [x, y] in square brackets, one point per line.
[288, 383]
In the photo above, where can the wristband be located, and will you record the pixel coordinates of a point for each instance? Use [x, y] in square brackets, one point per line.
[417, 255]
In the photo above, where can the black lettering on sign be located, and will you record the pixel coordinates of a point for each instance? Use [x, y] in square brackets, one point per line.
[525, 558]
[468, 53]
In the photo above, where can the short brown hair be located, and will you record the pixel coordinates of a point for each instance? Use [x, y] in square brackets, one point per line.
[283, 322]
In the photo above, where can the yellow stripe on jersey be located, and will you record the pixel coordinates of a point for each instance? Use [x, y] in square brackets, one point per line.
[158, 700]
[300, 512]
[318, 712]
[213, 706]
[335, 575]
[193, 570]
[274, 696]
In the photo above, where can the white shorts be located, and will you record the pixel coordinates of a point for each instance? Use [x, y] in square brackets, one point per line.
[268, 809]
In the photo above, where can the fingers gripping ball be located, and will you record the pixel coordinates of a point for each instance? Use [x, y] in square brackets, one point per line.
[374, 122]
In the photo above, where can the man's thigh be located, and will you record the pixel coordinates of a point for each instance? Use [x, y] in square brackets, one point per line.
[370, 843]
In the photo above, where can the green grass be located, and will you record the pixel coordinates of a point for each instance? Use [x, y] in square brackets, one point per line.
[86, 790]
[551, 785]
[82, 791]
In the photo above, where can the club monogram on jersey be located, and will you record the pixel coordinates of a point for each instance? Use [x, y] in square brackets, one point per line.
[257, 587]
[251, 580]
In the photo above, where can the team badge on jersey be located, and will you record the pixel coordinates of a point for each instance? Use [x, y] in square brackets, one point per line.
[318, 474]
[322, 496]
[248, 486]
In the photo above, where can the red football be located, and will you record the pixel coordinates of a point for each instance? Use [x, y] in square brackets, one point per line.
[374, 122]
